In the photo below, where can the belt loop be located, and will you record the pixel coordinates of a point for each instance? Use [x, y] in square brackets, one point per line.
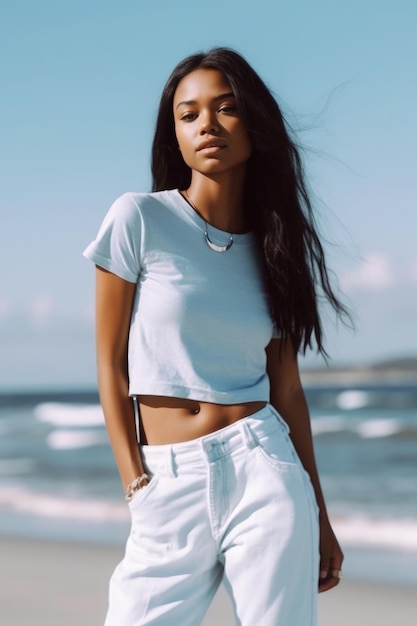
[248, 436]
[169, 463]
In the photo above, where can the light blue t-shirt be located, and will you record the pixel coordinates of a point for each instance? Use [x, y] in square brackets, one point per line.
[200, 322]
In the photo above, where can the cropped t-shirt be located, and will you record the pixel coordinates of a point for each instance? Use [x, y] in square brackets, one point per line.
[200, 320]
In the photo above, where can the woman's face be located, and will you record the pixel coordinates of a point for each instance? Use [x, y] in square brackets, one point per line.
[210, 132]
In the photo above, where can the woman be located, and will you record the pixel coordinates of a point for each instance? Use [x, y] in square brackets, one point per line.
[206, 290]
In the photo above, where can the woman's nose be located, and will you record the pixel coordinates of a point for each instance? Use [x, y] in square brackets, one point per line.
[208, 123]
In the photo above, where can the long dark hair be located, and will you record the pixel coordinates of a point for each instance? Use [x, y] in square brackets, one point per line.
[276, 201]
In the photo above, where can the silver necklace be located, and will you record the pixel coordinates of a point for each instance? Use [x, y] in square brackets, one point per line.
[209, 242]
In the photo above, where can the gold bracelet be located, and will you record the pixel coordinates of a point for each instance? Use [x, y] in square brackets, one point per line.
[135, 485]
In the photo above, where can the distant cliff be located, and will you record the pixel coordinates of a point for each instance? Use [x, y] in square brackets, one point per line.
[401, 370]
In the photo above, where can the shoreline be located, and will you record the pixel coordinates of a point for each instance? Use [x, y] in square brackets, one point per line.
[44, 583]
[376, 550]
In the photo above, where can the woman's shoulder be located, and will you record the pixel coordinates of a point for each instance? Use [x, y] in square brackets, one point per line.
[141, 200]
[143, 210]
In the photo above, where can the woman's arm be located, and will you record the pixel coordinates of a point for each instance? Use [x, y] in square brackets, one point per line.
[287, 396]
[114, 301]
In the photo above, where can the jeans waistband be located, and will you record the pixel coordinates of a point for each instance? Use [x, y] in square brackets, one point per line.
[232, 439]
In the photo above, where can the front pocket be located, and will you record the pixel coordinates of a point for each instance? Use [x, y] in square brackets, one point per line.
[143, 494]
[278, 452]
[275, 463]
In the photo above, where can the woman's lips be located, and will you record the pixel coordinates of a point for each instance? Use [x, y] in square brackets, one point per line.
[211, 146]
[211, 149]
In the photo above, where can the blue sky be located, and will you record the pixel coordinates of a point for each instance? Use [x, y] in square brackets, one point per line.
[80, 83]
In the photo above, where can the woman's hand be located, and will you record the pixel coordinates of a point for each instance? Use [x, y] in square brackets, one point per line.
[331, 557]
[287, 396]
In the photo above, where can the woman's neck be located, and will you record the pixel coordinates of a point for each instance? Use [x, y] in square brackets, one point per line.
[218, 201]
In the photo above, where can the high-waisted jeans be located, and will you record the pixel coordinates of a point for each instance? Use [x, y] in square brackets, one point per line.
[234, 506]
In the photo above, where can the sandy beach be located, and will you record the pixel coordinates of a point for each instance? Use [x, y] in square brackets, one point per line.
[51, 583]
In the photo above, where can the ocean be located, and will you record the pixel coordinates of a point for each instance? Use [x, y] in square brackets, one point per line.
[58, 479]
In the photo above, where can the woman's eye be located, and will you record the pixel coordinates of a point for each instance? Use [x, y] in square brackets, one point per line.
[228, 109]
[188, 117]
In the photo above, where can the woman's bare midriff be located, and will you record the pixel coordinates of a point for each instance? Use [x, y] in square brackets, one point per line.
[172, 420]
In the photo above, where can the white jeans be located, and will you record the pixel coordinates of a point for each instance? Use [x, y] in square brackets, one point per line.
[234, 506]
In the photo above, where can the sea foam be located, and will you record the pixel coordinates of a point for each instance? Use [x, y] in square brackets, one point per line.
[365, 428]
[68, 415]
[377, 532]
[64, 439]
[41, 504]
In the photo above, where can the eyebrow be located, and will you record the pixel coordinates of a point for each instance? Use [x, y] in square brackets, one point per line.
[222, 96]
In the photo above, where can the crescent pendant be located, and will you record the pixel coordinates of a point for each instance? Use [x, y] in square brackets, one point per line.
[214, 246]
